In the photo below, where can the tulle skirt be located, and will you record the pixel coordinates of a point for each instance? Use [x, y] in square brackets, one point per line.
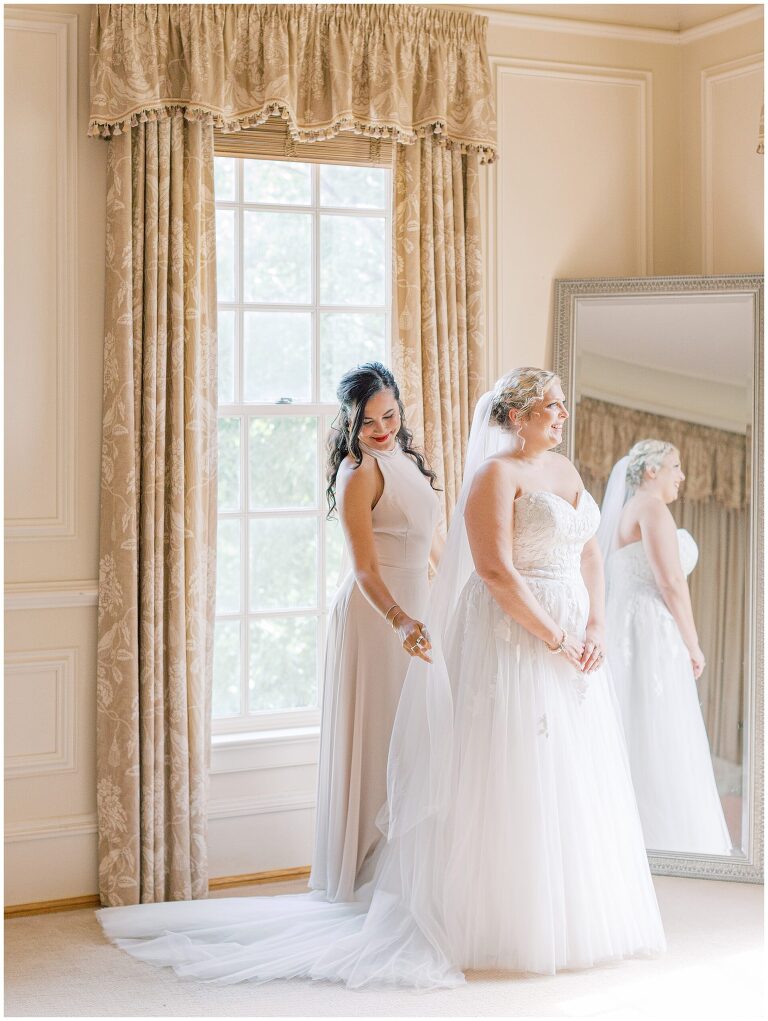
[669, 752]
[534, 861]
[545, 866]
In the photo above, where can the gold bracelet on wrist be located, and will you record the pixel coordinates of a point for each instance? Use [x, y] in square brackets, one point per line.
[394, 606]
[394, 618]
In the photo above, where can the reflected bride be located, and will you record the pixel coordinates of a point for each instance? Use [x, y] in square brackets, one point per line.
[514, 840]
[654, 653]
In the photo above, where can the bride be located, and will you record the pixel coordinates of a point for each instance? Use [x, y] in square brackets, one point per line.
[513, 838]
[655, 655]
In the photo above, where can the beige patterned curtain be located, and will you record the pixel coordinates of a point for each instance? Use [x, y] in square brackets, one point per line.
[439, 350]
[158, 514]
[713, 507]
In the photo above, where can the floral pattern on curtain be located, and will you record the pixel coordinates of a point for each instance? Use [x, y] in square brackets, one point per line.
[439, 354]
[158, 515]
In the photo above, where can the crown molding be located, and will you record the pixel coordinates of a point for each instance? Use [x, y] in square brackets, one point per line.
[728, 21]
[629, 33]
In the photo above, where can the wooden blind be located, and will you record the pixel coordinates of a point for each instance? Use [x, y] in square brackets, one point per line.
[271, 140]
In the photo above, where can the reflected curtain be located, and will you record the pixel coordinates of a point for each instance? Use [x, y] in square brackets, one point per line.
[158, 514]
[713, 507]
[439, 352]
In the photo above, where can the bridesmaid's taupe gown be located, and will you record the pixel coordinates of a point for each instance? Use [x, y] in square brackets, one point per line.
[365, 666]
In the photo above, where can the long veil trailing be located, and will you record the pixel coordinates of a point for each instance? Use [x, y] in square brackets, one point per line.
[610, 513]
[393, 933]
[420, 748]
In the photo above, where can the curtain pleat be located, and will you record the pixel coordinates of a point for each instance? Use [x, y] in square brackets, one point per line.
[438, 351]
[158, 514]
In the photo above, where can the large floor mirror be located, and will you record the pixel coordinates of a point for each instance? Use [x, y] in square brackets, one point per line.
[680, 359]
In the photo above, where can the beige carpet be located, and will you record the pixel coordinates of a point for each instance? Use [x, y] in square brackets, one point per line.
[61, 965]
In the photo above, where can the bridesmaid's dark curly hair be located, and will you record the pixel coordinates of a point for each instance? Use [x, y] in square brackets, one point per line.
[355, 389]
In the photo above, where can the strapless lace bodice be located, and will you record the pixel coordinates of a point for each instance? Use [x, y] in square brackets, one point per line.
[632, 563]
[549, 533]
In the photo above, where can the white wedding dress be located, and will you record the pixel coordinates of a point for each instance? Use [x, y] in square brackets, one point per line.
[514, 837]
[668, 748]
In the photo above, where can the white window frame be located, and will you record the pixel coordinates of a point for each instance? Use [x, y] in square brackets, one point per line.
[270, 724]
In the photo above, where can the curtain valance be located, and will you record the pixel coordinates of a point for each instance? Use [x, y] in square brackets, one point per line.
[714, 461]
[396, 71]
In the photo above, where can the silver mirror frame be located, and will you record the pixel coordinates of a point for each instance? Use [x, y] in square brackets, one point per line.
[750, 868]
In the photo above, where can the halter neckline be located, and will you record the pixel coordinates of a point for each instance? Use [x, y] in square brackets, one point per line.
[380, 453]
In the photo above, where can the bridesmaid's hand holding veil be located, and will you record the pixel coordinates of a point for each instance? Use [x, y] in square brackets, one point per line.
[414, 636]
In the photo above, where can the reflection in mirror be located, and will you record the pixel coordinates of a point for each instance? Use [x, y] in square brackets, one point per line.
[675, 368]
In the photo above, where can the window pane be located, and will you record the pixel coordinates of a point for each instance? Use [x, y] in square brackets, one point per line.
[352, 260]
[228, 566]
[334, 549]
[278, 356]
[229, 464]
[283, 663]
[346, 340]
[226, 668]
[355, 187]
[283, 571]
[224, 178]
[225, 254]
[226, 337]
[283, 462]
[277, 183]
[278, 257]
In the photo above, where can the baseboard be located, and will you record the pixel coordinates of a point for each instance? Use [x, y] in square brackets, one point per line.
[276, 876]
[47, 907]
[91, 900]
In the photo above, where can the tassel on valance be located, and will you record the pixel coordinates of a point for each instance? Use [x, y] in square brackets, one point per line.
[397, 72]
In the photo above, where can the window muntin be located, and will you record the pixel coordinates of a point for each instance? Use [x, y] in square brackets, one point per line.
[303, 257]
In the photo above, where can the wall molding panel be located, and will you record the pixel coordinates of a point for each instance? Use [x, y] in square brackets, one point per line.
[51, 595]
[711, 79]
[59, 668]
[496, 209]
[63, 347]
[51, 828]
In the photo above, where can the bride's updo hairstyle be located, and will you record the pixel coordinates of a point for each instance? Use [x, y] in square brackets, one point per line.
[521, 389]
[645, 454]
[355, 389]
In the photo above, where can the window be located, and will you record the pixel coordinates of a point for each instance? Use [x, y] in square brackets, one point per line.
[304, 293]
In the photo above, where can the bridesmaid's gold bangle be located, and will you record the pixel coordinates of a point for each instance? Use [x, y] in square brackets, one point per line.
[394, 606]
[396, 617]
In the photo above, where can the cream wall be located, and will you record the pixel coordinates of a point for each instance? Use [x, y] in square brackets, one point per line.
[54, 297]
[600, 174]
[601, 166]
[722, 196]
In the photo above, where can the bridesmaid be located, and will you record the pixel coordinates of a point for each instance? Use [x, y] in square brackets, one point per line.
[388, 509]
